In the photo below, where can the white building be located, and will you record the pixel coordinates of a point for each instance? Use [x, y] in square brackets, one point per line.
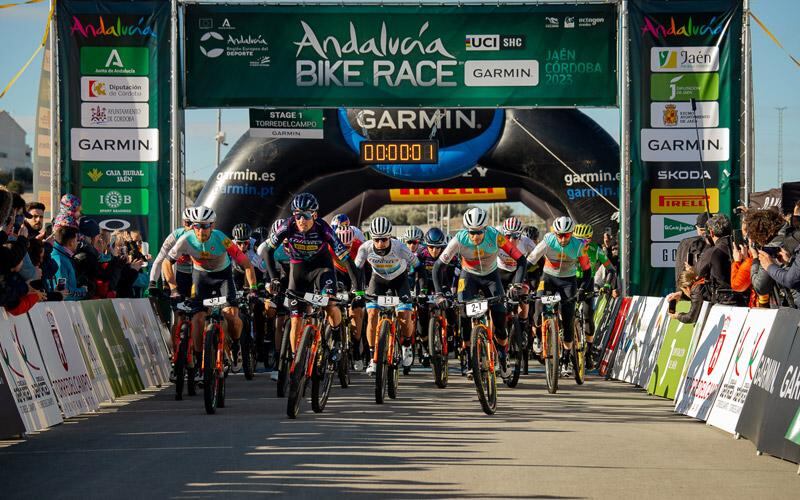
[14, 153]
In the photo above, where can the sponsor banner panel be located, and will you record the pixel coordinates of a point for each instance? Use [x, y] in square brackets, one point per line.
[142, 334]
[119, 144]
[684, 201]
[157, 347]
[672, 227]
[705, 371]
[680, 114]
[793, 432]
[90, 352]
[676, 349]
[690, 59]
[26, 374]
[113, 114]
[116, 175]
[683, 145]
[59, 347]
[127, 61]
[684, 86]
[613, 337]
[663, 254]
[112, 202]
[633, 349]
[516, 73]
[651, 346]
[287, 123]
[604, 324]
[409, 195]
[11, 424]
[618, 339]
[115, 89]
[739, 376]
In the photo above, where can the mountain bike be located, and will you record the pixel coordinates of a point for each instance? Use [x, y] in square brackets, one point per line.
[438, 343]
[247, 342]
[578, 354]
[182, 361]
[344, 363]
[214, 355]
[388, 352]
[551, 342]
[483, 351]
[517, 343]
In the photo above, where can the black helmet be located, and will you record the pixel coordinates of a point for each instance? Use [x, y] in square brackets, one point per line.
[241, 232]
[435, 238]
[305, 202]
[531, 232]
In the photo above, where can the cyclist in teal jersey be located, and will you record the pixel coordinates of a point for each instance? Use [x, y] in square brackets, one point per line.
[183, 266]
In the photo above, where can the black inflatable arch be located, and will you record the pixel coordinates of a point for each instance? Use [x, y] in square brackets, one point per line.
[258, 178]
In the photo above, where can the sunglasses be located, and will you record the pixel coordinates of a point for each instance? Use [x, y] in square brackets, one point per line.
[475, 233]
[380, 240]
[198, 225]
[564, 235]
[303, 215]
[413, 242]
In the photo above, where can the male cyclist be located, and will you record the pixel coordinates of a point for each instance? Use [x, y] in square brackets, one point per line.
[243, 238]
[310, 267]
[183, 265]
[391, 263]
[563, 254]
[276, 310]
[342, 220]
[211, 253]
[597, 259]
[507, 265]
[412, 238]
[347, 236]
[478, 246]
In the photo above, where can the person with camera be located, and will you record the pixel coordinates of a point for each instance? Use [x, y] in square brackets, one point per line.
[763, 227]
[693, 287]
[690, 249]
[66, 243]
[783, 268]
[791, 229]
[715, 262]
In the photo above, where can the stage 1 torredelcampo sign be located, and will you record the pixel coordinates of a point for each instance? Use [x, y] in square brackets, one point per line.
[401, 55]
[286, 123]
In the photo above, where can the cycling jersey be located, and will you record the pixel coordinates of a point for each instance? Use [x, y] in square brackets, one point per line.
[209, 256]
[182, 265]
[597, 258]
[259, 265]
[479, 259]
[303, 247]
[352, 253]
[507, 263]
[561, 262]
[397, 260]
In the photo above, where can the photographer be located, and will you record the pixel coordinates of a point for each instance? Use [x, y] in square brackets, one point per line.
[130, 264]
[695, 288]
[690, 249]
[16, 296]
[715, 263]
[763, 227]
[783, 268]
[66, 242]
[791, 230]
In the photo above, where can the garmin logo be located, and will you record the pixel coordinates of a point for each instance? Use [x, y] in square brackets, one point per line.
[114, 144]
[680, 145]
[418, 119]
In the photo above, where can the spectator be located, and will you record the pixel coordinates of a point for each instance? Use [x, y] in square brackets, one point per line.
[791, 230]
[741, 266]
[690, 249]
[715, 262]
[763, 227]
[35, 219]
[16, 296]
[70, 205]
[610, 247]
[786, 275]
[66, 243]
[694, 287]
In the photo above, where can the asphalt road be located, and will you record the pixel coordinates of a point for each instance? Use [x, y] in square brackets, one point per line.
[601, 440]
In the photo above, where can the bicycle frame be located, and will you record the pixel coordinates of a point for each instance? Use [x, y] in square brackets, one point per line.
[182, 319]
[313, 319]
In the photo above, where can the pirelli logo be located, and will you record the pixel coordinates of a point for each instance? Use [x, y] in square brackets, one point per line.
[448, 194]
[684, 201]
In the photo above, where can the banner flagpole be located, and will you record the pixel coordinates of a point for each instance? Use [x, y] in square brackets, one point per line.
[625, 167]
[55, 150]
[176, 180]
[747, 98]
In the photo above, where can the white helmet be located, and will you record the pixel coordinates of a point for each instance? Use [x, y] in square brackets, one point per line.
[202, 215]
[413, 233]
[512, 225]
[563, 225]
[380, 227]
[345, 234]
[187, 214]
[475, 219]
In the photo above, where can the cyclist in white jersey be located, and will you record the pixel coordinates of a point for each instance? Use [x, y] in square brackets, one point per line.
[507, 265]
[183, 266]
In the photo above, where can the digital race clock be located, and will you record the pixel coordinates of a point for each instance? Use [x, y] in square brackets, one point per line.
[398, 152]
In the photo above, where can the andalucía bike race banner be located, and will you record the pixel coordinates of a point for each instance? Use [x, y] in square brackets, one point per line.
[114, 88]
[681, 51]
[400, 56]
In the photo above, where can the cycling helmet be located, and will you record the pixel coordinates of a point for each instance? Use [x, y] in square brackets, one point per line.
[512, 225]
[412, 233]
[584, 231]
[563, 225]
[345, 234]
[380, 227]
[531, 232]
[187, 214]
[435, 238]
[475, 219]
[260, 234]
[203, 215]
[305, 202]
[70, 203]
[242, 232]
[340, 220]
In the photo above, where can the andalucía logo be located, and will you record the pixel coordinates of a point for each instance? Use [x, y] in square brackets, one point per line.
[116, 29]
[687, 29]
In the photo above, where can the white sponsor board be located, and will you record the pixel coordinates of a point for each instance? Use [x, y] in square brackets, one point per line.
[663, 254]
[628, 332]
[115, 88]
[158, 349]
[744, 360]
[684, 59]
[681, 145]
[673, 228]
[115, 114]
[636, 341]
[705, 370]
[26, 373]
[494, 73]
[62, 357]
[138, 342]
[118, 144]
[680, 114]
[91, 358]
[651, 345]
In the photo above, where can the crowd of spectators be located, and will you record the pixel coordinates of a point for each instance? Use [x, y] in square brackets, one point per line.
[69, 258]
[756, 266]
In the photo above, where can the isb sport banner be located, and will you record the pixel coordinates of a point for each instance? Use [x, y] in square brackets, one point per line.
[400, 55]
[114, 111]
[681, 52]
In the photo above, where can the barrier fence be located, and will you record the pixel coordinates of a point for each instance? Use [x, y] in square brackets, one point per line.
[64, 359]
[737, 369]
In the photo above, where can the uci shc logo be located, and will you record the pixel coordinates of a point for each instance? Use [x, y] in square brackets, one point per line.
[212, 52]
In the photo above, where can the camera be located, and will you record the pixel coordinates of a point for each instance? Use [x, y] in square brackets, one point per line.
[739, 210]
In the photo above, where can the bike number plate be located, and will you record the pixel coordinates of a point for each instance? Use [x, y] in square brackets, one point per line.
[215, 302]
[550, 300]
[316, 299]
[477, 308]
[388, 301]
[184, 307]
[343, 296]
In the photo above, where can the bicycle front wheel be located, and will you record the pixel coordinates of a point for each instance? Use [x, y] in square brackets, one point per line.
[482, 372]
[284, 360]
[322, 375]
[382, 365]
[297, 375]
[515, 352]
[393, 379]
[578, 354]
[437, 337]
[210, 376]
[550, 343]
[182, 348]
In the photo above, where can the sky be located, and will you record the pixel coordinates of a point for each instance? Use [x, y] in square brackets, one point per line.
[776, 81]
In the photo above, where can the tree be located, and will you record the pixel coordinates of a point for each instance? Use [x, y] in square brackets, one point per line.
[193, 188]
[5, 177]
[15, 187]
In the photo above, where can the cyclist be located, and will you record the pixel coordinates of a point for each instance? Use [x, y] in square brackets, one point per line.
[597, 259]
[310, 266]
[347, 236]
[391, 263]
[212, 273]
[478, 246]
[412, 238]
[277, 313]
[243, 238]
[512, 230]
[183, 265]
[344, 221]
[563, 254]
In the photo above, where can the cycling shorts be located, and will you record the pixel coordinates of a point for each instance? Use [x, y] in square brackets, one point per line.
[310, 277]
[399, 285]
[470, 285]
[209, 284]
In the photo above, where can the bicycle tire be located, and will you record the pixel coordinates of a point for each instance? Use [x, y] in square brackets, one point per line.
[180, 361]
[578, 354]
[482, 374]
[436, 351]
[247, 349]
[322, 374]
[550, 337]
[381, 370]
[515, 352]
[297, 377]
[393, 380]
[210, 378]
[343, 366]
[284, 360]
